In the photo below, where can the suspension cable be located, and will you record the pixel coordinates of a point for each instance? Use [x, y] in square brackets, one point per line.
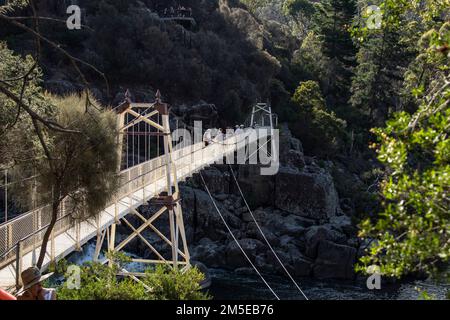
[234, 238]
[264, 236]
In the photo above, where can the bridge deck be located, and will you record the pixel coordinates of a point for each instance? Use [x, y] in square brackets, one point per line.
[142, 183]
[140, 187]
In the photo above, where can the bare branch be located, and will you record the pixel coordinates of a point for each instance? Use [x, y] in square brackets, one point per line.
[50, 19]
[58, 47]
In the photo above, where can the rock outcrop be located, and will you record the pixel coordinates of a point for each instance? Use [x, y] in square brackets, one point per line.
[298, 212]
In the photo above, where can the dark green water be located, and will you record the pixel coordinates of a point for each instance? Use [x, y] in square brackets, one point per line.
[228, 285]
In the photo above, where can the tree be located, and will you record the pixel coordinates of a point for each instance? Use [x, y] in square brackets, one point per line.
[310, 59]
[12, 116]
[301, 12]
[332, 22]
[321, 131]
[59, 154]
[383, 56]
[412, 233]
[80, 168]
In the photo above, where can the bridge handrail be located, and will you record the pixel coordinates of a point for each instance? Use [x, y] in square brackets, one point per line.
[12, 233]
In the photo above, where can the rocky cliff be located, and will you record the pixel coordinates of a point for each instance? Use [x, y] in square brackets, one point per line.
[298, 211]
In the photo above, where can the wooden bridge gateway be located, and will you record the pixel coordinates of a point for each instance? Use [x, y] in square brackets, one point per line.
[152, 178]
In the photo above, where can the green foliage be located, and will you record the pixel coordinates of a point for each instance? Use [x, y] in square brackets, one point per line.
[170, 284]
[308, 96]
[332, 23]
[83, 165]
[253, 5]
[12, 5]
[384, 54]
[14, 122]
[321, 132]
[310, 58]
[100, 282]
[413, 231]
[293, 7]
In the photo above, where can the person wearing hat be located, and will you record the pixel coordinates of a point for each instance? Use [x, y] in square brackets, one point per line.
[32, 286]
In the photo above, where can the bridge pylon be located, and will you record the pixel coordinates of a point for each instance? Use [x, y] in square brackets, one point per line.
[263, 116]
[155, 116]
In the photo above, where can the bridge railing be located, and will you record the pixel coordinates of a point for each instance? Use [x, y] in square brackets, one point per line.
[26, 231]
[29, 228]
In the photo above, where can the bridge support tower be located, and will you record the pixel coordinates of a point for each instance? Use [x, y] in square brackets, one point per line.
[156, 116]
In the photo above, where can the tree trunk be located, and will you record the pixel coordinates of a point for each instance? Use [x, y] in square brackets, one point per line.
[47, 234]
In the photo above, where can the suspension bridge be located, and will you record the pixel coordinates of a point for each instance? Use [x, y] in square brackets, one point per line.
[150, 170]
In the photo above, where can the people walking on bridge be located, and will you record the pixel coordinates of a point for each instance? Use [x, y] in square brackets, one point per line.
[32, 286]
[207, 137]
[229, 133]
[219, 137]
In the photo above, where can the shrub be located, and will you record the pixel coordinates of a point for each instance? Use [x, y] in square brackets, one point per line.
[100, 282]
[170, 284]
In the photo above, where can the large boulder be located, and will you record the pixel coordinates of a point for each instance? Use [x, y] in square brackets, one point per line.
[334, 261]
[272, 260]
[291, 225]
[234, 256]
[202, 217]
[291, 149]
[307, 194]
[258, 189]
[252, 231]
[344, 223]
[216, 180]
[302, 266]
[209, 253]
[317, 234]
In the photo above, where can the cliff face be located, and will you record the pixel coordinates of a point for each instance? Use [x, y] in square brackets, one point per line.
[298, 211]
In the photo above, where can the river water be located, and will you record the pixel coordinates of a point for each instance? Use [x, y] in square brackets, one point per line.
[227, 285]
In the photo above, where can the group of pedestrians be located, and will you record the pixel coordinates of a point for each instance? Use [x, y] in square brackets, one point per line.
[215, 135]
[180, 11]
